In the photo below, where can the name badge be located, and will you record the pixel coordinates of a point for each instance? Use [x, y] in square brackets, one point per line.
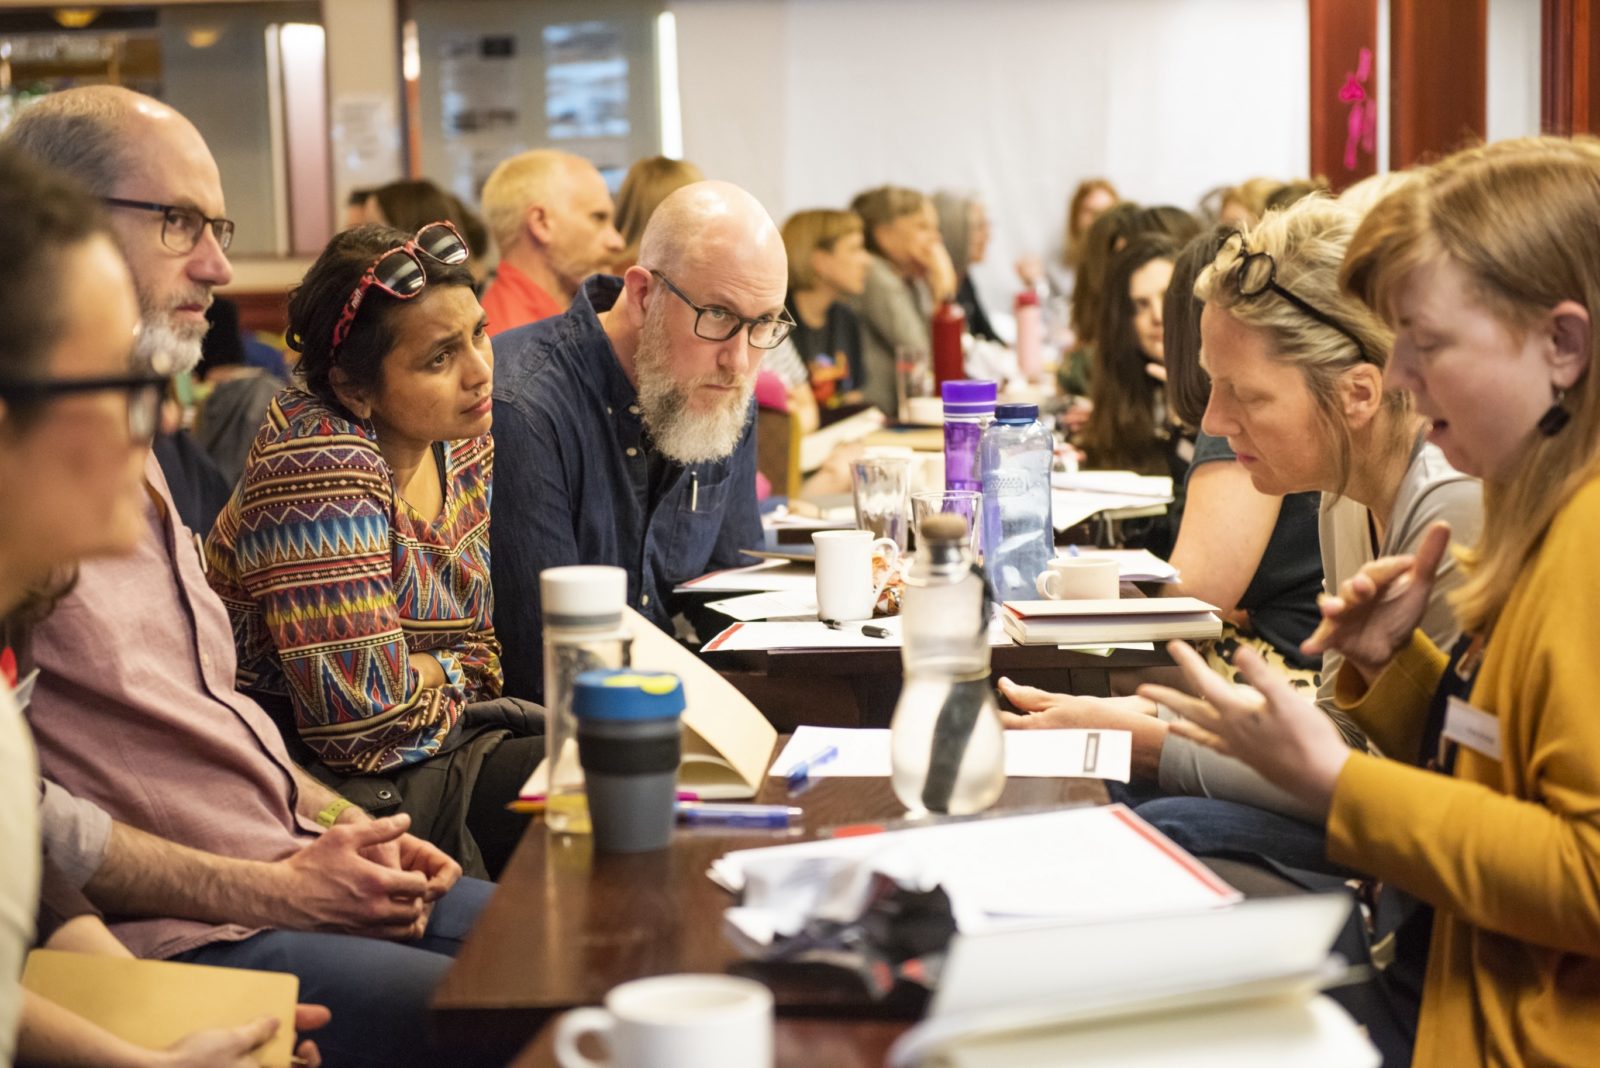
[1473, 728]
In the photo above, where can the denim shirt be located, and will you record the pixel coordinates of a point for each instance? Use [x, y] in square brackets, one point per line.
[573, 486]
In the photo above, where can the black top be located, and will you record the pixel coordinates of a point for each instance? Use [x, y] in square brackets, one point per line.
[977, 319]
[827, 350]
[1282, 595]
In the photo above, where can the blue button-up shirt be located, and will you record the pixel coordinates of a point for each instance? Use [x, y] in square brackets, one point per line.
[573, 482]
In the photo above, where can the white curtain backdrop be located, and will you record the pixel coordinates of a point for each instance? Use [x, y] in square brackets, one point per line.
[807, 102]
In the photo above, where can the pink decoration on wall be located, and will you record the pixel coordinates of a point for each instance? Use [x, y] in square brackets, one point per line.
[1363, 120]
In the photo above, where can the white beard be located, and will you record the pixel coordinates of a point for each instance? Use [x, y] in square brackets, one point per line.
[676, 429]
[165, 349]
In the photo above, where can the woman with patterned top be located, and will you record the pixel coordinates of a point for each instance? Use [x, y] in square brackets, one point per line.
[354, 554]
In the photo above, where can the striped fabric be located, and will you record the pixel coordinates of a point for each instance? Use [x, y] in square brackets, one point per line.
[331, 581]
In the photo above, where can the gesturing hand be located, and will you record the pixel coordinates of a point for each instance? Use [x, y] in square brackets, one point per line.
[432, 862]
[1272, 728]
[334, 883]
[1375, 611]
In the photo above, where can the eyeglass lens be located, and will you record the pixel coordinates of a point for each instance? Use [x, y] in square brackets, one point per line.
[144, 412]
[442, 243]
[400, 273]
[182, 229]
[718, 324]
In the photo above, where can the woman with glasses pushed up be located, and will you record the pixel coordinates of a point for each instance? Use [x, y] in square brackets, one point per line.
[354, 554]
[1485, 267]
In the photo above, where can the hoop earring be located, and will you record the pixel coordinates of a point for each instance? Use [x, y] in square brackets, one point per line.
[1555, 417]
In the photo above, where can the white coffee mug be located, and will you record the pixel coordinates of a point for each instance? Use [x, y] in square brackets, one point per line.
[675, 1021]
[845, 589]
[1077, 578]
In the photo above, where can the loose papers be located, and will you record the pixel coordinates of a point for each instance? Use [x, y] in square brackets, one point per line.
[1030, 754]
[1082, 864]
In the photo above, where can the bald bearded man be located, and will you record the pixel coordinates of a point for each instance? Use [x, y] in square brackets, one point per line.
[552, 217]
[624, 428]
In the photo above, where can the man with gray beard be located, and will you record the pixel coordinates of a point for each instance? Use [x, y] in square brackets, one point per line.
[624, 429]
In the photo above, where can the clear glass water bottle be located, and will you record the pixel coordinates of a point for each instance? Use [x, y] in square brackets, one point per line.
[947, 746]
[583, 631]
[1017, 536]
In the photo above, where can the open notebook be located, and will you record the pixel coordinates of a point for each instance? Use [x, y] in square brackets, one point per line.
[727, 742]
[1233, 987]
[154, 1003]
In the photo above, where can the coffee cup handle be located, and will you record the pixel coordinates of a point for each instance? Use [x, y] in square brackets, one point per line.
[1042, 584]
[572, 1027]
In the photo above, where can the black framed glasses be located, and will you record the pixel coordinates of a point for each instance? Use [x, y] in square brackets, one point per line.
[1256, 273]
[715, 323]
[181, 228]
[144, 393]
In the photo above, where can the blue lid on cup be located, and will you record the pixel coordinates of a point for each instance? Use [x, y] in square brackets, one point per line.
[969, 397]
[627, 694]
[1016, 413]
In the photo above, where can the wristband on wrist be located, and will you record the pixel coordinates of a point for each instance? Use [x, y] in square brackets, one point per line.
[330, 815]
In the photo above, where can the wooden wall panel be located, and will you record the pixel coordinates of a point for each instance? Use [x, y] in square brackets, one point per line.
[1570, 66]
[1438, 77]
[1344, 90]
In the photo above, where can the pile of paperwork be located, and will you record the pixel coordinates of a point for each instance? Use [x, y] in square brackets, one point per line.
[1079, 864]
[1079, 495]
[1031, 754]
[812, 634]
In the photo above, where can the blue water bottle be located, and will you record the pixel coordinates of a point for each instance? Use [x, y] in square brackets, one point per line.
[1018, 538]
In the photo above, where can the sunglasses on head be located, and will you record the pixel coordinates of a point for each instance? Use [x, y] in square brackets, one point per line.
[1257, 273]
[399, 271]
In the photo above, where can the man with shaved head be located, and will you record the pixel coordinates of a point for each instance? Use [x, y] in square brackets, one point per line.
[624, 428]
[551, 215]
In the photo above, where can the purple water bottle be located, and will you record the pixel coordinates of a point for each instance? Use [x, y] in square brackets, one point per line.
[968, 408]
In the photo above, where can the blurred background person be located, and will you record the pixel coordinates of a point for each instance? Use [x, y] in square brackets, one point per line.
[1244, 204]
[1092, 198]
[828, 262]
[647, 183]
[910, 274]
[964, 229]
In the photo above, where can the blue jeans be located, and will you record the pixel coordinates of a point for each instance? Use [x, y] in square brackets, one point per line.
[1211, 827]
[378, 991]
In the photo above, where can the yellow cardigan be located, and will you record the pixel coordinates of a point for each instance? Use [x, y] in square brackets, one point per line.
[1508, 853]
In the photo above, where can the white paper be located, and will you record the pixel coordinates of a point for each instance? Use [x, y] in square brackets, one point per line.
[1080, 864]
[1030, 754]
[813, 634]
[781, 605]
[769, 576]
[1124, 483]
[1068, 508]
[1107, 650]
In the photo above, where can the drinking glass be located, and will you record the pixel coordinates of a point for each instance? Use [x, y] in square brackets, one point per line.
[882, 488]
[968, 504]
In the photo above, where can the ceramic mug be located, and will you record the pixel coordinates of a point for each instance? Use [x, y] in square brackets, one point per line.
[845, 589]
[674, 1021]
[1077, 578]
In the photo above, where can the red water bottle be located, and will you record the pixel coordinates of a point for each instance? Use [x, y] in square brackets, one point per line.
[1030, 335]
[949, 323]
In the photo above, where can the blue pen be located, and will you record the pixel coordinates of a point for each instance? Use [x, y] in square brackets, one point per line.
[702, 813]
[798, 774]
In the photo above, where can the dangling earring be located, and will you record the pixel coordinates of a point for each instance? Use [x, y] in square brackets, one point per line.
[1556, 416]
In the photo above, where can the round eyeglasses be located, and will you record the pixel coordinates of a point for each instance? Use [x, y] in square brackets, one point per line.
[1256, 273]
[181, 228]
[713, 322]
[144, 393]
[400, 273]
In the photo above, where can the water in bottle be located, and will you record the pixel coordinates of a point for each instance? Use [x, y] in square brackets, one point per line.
[947, 746]
[1017, 536]
[583, 631]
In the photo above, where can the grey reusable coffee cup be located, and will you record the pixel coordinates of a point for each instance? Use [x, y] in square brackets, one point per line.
[629, 743]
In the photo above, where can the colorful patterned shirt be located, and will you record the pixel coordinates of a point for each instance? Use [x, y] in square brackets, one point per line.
[332, 581]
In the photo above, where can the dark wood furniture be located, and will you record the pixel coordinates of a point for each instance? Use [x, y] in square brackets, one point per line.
[859, 687]
[568, 924]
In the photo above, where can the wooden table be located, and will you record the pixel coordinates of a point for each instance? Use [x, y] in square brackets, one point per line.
[859, 687]
[568, 924]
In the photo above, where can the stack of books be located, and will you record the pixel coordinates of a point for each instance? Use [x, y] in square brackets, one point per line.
[1100, 622]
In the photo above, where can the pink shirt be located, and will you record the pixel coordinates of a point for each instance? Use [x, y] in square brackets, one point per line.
[135, 709]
